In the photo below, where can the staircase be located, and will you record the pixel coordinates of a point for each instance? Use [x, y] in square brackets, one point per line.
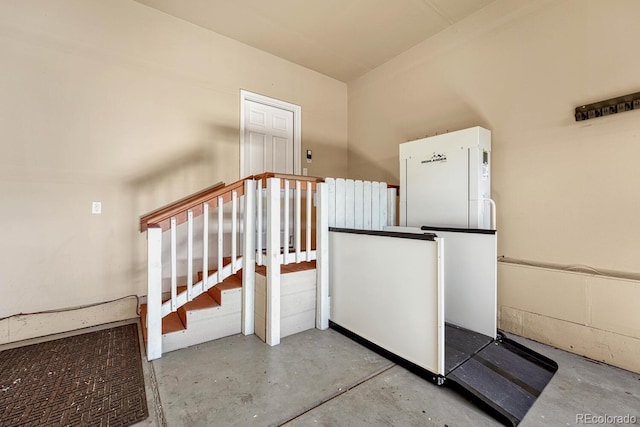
[217, 313]
[268, 232]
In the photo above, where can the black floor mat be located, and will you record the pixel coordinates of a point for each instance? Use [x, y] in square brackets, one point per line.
[93, 379]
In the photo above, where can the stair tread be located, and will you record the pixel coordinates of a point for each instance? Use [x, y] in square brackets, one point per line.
[170, 323]
[201, 302]
[288, 268]
[231, 282]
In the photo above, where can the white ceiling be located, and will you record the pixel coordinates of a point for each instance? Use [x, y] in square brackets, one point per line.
[340, 38]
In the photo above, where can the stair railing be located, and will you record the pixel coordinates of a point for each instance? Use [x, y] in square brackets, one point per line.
[184, 212]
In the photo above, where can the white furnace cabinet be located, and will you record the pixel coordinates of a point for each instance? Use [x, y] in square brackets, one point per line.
[445, 180]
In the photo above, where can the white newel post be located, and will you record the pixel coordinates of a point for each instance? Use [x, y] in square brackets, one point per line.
[249, 258]
[322, 256]
[273, 262]
[154, 292]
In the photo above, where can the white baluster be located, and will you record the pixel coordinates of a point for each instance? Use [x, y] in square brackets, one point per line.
[391, 206]
[358, 222]
[298, 220]
[174, 279]
[234, 230]
[366, 205]
[189, 255]
[350, 204]
[331, 191]
[309, 195]
[259, 231]
[382, 218]
[154, 292]
[205, 247]
[375, 206]
[340, 203]
[285, 243]
[220, 236]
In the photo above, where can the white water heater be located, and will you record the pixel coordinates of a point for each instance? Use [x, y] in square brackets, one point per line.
[445, 180]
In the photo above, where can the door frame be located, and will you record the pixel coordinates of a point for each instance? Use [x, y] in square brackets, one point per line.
[245, 95]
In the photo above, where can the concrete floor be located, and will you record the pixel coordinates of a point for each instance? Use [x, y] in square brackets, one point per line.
[322, 378]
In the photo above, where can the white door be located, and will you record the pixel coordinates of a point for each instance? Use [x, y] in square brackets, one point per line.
[268, 139]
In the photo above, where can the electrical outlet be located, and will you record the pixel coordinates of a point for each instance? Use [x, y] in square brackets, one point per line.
[96, 208]
[636, 104]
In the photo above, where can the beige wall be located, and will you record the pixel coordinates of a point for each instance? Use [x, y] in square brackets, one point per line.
[116, 102]
[567, 192]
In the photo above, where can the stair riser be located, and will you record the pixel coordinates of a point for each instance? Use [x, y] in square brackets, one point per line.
[290, 304]
[206, 323]
[298, 322]
[215, 294]
[289, 325]
[232, 300]
[297, 303]
[203, 331]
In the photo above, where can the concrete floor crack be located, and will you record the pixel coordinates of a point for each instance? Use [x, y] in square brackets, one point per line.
[162, 421]
[338, 393]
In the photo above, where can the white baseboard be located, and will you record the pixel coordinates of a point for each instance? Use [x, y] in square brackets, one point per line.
[23, 327]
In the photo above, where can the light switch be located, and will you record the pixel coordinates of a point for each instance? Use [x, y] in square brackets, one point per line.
[96, 208]
[309, 156]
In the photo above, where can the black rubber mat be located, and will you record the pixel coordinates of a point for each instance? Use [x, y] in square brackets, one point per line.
[505, 377]
[93, 379]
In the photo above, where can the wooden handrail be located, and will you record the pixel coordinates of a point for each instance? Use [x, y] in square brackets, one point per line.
[311, 180]
[162, 217]
[147, 219]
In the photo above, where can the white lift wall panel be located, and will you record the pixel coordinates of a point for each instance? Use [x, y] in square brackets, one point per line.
[470, 269]
[372, 295]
